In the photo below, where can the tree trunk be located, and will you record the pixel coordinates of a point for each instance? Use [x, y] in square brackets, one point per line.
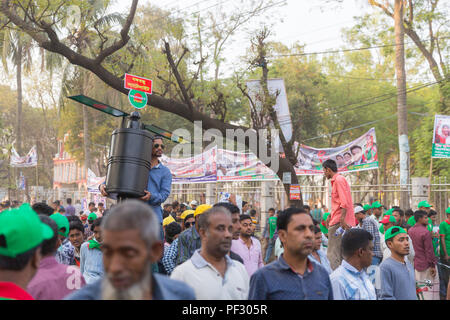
[401, 102]
[19, 97]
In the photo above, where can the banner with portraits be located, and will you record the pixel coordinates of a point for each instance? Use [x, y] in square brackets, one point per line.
[93, 182]
[360, 154]
[199, 168]
[30, 160]
[441, 137]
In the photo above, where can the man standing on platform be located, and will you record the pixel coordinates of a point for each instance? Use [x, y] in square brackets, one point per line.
[159, 182]
[342, 213]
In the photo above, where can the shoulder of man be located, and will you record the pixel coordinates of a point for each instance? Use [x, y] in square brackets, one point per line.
[89, 292]
[174, 289]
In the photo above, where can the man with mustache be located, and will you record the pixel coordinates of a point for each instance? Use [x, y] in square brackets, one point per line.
[293, 276]
[210, 271]
[397, 274]
[131, 243]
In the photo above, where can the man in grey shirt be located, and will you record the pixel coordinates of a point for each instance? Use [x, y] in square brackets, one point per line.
[397, 274]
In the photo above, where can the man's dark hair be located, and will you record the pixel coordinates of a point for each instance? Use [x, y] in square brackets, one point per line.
[69, 201]
[19, 262]
[432, 213]
[271, 209]
[76, 225]
[42, 208]
[171, 231]
[409, 213]
[315, 222]
[419, 214]
[61, 210]
[316, 229]
[355, 147]
[354, 239]
[97, 222]
[188, 217]
[400, 212]
[253, 212]
[306, 207]
[73, 218]
[175, 204]
[285, 216]
[244, 203]
[91, 204]
[157, 137]
[330, 164]
[244, 217]
[49, 246]
[231, 207]
[167, 205]
[57, 202]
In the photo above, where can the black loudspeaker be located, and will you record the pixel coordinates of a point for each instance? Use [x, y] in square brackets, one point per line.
[129, 160]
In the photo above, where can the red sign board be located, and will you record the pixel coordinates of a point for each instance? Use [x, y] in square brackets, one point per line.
[294, 193]
[138, 83]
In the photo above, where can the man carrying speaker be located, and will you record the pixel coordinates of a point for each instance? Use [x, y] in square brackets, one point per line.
[159, 182]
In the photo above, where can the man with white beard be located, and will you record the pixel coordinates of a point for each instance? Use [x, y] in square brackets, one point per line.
[130, 245]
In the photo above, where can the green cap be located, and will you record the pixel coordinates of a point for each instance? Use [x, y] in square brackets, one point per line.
[388, 212]
[447, 211]
[22, 230]
[393, 231]
[92, 216]
[367, 207]
[424, 204]
[376, 204]
[61, 222]
[381, 229]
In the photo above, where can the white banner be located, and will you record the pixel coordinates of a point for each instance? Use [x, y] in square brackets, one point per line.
[275, 87]
[93, 182]
[30, 160]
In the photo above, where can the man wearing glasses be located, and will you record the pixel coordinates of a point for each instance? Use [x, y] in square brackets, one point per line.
[159, 182]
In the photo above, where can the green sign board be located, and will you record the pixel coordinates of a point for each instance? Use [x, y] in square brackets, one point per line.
[138, 99]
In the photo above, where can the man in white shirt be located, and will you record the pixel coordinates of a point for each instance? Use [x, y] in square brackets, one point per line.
[210, 271]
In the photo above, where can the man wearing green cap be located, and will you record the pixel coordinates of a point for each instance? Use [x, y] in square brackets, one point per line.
[368, 209]
[88, 226]
[65, 252]
[444, 234]
[424, 206]
[397, 274]
[21, 234]
[377, 210]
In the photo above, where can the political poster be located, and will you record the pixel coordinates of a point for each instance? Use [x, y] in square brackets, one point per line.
[358, 155]
[93, 182]
[199, 168]
[240, 166]
[30, 160]
[441, 137]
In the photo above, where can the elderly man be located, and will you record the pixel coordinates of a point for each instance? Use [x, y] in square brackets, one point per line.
[210, 271]
[131, 243]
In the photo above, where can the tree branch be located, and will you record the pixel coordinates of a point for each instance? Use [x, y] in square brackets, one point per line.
[124, 37]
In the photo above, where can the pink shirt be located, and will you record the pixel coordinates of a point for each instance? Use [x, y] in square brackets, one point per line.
[252, 256]
[341, 198]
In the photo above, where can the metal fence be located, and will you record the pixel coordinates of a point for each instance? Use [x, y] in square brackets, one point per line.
[438, 194]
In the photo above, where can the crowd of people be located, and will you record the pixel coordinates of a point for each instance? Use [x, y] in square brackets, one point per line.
[212, 252]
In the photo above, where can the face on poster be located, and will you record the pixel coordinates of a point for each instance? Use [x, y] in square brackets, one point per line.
[442, 130]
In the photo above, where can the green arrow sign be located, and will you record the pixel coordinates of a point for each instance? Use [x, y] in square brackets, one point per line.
[138, 99]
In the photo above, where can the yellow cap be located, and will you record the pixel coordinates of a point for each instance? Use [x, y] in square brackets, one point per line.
[186, 213]
[202, 208]
[168, 220]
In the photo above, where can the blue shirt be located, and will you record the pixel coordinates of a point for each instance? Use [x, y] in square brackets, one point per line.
[397, 280]
[350, 284]
[91, 263]
[277, 281]
[159, 185]
[164, 288]
[169, 259]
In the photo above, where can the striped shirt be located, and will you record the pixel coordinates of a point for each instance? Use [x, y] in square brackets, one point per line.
[350, 284]
[370, 226]
[188, 242]
[170, 257]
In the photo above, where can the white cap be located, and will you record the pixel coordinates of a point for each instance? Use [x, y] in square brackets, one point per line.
[358, 209]
[194, 203]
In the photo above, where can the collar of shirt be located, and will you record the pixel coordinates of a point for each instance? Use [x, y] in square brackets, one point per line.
[48, 262]
[199, 262]
[347, 266]
[195, 234]
[334, 178]
[9, 290]
[285, 266]
[245, 244]
[157, 166]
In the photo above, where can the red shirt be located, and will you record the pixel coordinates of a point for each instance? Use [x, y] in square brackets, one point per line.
[9, 290]
[341, 198]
